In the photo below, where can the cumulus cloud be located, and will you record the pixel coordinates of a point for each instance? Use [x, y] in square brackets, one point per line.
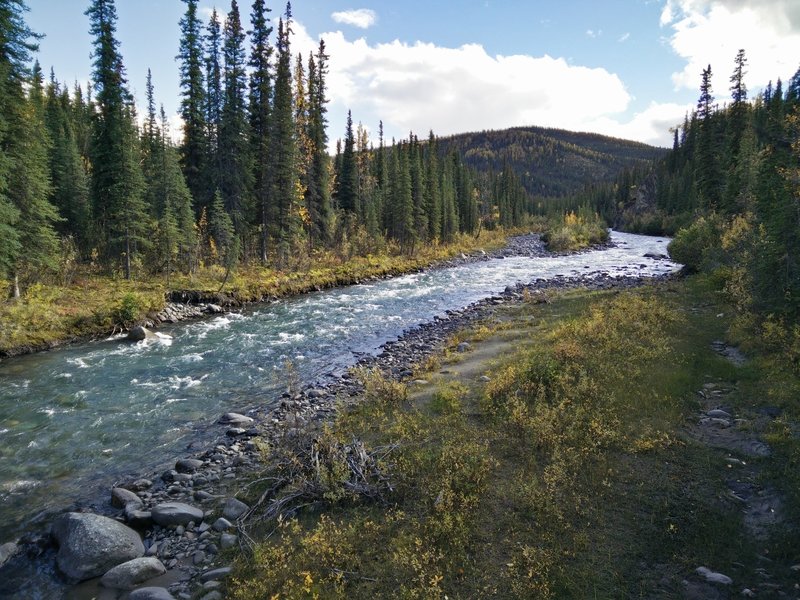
[422, 86]
[363, 18]
[624, 37]
[711, 32]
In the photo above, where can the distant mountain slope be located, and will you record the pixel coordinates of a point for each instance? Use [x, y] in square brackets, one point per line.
[550, 162]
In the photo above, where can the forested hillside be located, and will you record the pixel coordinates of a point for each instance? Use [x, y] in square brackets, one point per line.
[550, 162]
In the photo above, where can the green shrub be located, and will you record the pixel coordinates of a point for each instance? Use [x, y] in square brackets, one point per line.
[697, 246]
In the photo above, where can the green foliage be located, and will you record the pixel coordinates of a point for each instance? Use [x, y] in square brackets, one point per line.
[128, 310]
[575, 231]
[695, 246]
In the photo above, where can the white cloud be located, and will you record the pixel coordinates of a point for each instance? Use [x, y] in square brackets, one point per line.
[362, 18]
[651, 126]
[712, 31]
[594, 34]
[624, 37]
[421, 86]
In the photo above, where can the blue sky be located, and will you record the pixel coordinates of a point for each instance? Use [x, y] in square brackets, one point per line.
[628, 68]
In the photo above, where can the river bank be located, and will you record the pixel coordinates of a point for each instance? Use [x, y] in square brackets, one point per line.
[92, 306]
[216, 475]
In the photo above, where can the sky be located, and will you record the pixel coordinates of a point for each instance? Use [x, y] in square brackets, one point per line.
[626, 68]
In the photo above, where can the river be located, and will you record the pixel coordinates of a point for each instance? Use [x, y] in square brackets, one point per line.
[73, 420]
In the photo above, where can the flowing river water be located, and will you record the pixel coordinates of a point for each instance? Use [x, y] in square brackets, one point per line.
[75, 419]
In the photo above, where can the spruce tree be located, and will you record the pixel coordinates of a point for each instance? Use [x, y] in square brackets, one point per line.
[433, 190]
[236, 175]
[282, 144]
[214, 102]
[69, 181]
[318, 200]
[30, 245]
[117, 184]
[347, 177]
[260, 111]
[194, 147]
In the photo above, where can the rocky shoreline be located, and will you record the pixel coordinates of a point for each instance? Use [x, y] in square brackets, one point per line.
[188, 515]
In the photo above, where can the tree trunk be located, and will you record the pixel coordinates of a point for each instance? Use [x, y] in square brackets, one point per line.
[127, 256]
[15, 288]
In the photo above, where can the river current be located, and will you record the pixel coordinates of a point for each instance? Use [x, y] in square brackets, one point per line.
[75, 419]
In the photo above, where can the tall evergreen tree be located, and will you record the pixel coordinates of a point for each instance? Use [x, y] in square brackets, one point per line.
[282, 143]
[347, 177]
[194, 147]
[30, 244]
[214, 102]
[318, 199]
[260, 107]
[117, 183]
[707, 171]
[433, 189]
[236, 183]
[70, 184]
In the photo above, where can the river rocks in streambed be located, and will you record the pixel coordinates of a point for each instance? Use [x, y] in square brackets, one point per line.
[234, 509]
[130, 574]
[151, 593]
[121, 498]
[188, 465]
[139, 333]
[90, 544]
[7, 551]
[173, 514]
[233, 418]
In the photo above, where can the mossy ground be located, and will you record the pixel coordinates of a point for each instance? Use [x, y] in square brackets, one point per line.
[568, 474]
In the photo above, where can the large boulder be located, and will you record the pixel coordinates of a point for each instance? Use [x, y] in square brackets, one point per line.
[90, 545]
[172, 514]
[140, 333]
[130, 574]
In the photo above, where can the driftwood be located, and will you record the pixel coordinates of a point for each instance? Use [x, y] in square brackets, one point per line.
[316, 471]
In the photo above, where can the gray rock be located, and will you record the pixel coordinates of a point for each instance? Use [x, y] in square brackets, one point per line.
[315, 393]
[151, 593]
[188, 465]
[228, 540]
[221, 524]
[232, 418]
[7, 551]
[214, 309]
[172, 514]
[130, 574]
[138, 518]
[139, 333]
[90, 545]
[213, 595]
[140, 485]
[215, 574]
[234, 509]
[718, 413]
[713, 577]
[121, 498]
[463, 347]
